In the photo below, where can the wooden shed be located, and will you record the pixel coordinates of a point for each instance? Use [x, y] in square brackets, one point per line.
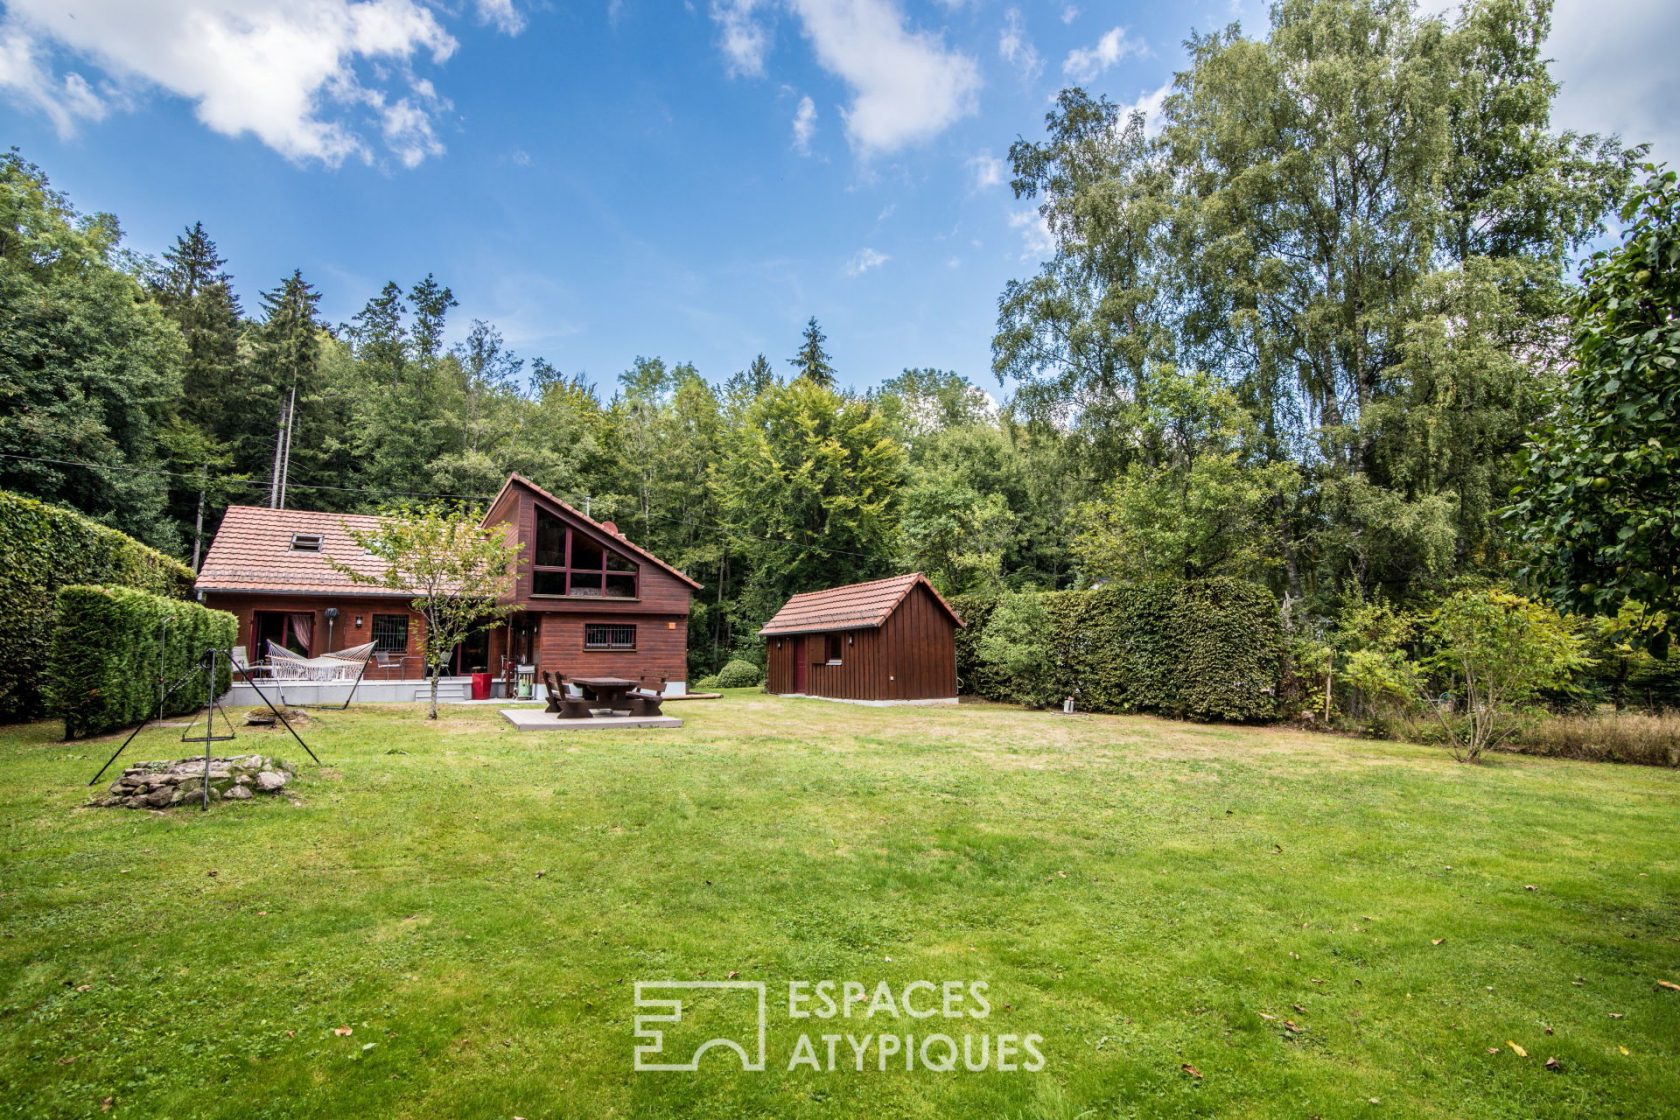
[887, 641]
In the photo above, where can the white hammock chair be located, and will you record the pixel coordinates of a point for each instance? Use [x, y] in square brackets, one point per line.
[345, 665]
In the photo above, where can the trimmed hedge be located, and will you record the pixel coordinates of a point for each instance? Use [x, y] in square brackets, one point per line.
[44, 548]
[1202, 650]
[113, 644]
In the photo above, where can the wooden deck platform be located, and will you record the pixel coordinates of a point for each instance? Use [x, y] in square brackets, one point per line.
[536, 719]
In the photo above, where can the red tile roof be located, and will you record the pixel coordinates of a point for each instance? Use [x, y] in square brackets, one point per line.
[253, 551]
[852, 607]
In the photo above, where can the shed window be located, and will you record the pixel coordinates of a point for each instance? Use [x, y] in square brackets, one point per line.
[833, 651]
[568, 562]
[306, 542]
[390, 633]
[600, 635]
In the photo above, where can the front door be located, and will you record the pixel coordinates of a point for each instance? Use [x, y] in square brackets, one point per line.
[800, 668]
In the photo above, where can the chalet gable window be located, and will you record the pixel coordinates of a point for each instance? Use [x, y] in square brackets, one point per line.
[601, 635]
[306, 542]
[566, 561]
[832, 641]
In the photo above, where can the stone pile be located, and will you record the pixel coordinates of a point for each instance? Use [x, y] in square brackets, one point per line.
[161, 785]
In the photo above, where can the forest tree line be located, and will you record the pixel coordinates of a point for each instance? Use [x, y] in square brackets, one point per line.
[1310, 328]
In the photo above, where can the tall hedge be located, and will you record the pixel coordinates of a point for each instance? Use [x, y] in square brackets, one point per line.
[1203, 650]
[44, 548]
[112, 646]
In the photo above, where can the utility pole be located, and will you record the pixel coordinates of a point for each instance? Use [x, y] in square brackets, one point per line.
[286, 464]
[198, 525]
[282, 454]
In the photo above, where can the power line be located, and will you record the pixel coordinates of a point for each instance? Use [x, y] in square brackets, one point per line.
[828, 550]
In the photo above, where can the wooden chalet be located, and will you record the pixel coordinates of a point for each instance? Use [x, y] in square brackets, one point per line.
[591, 601]
[886, 641]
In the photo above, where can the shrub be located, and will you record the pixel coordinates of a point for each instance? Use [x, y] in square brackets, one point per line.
[42, 549]
[1500, 650]
[706, 683]
[1204, 650]
[739, 674]
[113, 645]
[1017, 647]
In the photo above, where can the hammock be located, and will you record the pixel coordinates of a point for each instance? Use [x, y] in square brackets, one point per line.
[345, 665]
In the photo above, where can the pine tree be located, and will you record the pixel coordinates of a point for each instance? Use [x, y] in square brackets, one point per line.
[812, 361]
[193, 290]
[288, 362]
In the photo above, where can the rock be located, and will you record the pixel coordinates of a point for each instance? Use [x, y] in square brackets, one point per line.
[270, 781]
[238, 793]
[159, 797]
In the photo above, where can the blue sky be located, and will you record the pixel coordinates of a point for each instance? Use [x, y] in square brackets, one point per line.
[638, 177]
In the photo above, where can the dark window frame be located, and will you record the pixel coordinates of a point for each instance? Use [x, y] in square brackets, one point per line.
[609, 637]
[833, 650]
[593, 583]
[379, 642]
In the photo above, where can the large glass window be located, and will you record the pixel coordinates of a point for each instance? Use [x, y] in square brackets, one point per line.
[566, 562]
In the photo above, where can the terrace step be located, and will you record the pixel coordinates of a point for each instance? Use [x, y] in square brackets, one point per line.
[448, 692]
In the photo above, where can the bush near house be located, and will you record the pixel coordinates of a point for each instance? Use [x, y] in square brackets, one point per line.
[44, 548]
[112, 646]
[1196, 649]
[739, 674]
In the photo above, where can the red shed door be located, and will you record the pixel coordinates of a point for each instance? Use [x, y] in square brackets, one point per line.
[800, 667]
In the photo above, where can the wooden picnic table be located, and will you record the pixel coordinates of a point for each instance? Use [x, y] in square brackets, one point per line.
[609, 692]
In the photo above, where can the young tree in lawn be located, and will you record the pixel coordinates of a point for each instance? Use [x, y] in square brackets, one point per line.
[459, 571]
[1500, 650]
[1599, 497]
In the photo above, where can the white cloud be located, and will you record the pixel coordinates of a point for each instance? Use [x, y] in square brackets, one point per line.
[1069, 13]
[1036, 239]
[1016, 49]
[906, 85]
[502, 15]
[1615, 63]
[1149, 104]
[988, 170]
[307, 79]
[743, 37]
[24, 72]
[1085, 63]
[864, 260]
[804, 125]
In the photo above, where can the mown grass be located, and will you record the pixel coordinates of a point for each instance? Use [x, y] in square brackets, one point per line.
[477, 905]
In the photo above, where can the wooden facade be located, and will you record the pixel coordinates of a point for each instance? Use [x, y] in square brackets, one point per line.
[900, 646]
[591, 602]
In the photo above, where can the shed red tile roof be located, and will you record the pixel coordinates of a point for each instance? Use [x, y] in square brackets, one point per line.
[253, 551]
[853, 607]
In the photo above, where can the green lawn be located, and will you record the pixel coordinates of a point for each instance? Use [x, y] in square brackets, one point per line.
[477, 905]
